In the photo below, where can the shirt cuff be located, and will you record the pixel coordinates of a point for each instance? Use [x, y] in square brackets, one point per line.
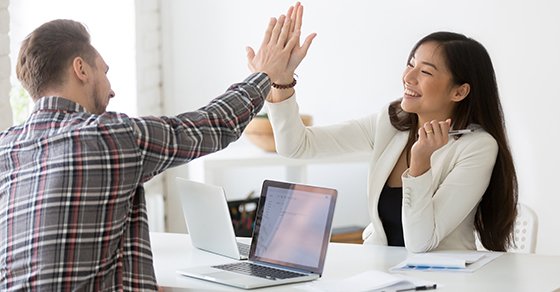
[261, 81]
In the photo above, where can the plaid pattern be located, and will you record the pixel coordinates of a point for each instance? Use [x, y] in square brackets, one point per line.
[72, 206]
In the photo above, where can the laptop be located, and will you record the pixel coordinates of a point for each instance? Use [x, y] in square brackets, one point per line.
[208, 219]
[290, 239]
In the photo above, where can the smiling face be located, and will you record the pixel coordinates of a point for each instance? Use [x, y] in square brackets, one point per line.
[429, 90]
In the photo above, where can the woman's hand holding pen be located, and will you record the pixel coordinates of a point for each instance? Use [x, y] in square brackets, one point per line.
[431, 136]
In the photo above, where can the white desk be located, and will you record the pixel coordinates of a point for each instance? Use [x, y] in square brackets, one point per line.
[509, 272]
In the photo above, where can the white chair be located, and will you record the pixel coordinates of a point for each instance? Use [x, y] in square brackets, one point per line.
[524, 231]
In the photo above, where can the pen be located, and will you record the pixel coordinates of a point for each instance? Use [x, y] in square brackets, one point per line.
[419, 288]
[460, 132]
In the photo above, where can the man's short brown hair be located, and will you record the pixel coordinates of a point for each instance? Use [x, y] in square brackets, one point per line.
[48, 51]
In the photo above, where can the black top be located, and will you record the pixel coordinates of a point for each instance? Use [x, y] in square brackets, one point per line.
[390, 213]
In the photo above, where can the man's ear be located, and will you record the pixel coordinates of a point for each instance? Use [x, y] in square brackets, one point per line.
[461, 92]
[80, 69]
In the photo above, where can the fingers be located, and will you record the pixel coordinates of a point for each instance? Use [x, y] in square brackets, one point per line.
[250, 57]
[292, 15]
[281, 32]
[280, 53]
[284, 33]
[250, 53]
[307, 43]
[428, 129]
[293, 41]
[290, 12]
[298, 16]
[431, 136]
[268, 32]
[277, 30]
[435, 130]
[273, 56]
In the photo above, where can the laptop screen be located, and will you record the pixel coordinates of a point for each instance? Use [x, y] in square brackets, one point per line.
[293, 225]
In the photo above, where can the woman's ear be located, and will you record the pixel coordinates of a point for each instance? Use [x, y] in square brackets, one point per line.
[461, 92]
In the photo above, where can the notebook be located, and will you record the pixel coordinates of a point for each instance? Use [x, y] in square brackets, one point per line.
[290, 239]
[208, 219]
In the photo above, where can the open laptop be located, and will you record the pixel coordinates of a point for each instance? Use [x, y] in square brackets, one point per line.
[290, 239]
[208, 219]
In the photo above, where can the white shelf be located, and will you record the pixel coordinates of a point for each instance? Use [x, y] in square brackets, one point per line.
[244, 154]
[241, 167]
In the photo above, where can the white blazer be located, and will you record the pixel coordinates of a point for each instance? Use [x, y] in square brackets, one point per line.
[438, 206]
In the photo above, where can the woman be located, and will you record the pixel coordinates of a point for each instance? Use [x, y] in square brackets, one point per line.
[427, 190]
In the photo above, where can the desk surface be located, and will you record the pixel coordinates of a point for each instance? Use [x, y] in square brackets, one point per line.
[509, 272]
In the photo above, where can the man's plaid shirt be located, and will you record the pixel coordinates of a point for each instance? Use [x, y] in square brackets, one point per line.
[72, 207]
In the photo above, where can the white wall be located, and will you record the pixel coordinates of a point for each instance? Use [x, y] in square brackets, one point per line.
[5, 110]
[149, 89]
[355, 64]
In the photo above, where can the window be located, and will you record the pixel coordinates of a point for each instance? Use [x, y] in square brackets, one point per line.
[112, 28]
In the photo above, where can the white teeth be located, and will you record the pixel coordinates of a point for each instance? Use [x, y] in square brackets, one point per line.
[410, 92]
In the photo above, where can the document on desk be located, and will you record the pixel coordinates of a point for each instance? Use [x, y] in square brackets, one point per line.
[371, 280]
[449, 261]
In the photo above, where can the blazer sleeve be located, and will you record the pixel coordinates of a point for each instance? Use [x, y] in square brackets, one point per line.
[295, 140]
[433, 207]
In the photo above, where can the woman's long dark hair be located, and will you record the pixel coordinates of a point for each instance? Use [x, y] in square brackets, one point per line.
[469, 62]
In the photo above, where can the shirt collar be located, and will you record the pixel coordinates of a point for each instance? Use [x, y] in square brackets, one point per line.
[57, 103]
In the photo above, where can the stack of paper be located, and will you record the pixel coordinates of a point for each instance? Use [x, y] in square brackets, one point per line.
[458, 261]
[371, 280]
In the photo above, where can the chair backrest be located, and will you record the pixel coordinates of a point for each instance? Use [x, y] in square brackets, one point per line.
[524, 231]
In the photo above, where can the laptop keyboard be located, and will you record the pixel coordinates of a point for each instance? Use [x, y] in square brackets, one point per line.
[258, 271]
[243, 248]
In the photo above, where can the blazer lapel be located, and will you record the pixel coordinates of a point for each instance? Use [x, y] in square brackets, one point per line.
[384, 165]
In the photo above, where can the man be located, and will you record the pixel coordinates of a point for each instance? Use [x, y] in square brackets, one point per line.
[73, 213]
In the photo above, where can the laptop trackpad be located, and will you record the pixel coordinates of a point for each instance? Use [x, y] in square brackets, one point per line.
[222, 275]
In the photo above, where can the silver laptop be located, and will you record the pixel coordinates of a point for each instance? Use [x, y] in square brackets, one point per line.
[208, 219]
[290, 239]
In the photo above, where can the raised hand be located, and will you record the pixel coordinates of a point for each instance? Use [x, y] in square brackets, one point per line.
[285, 31]
[276, 49]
